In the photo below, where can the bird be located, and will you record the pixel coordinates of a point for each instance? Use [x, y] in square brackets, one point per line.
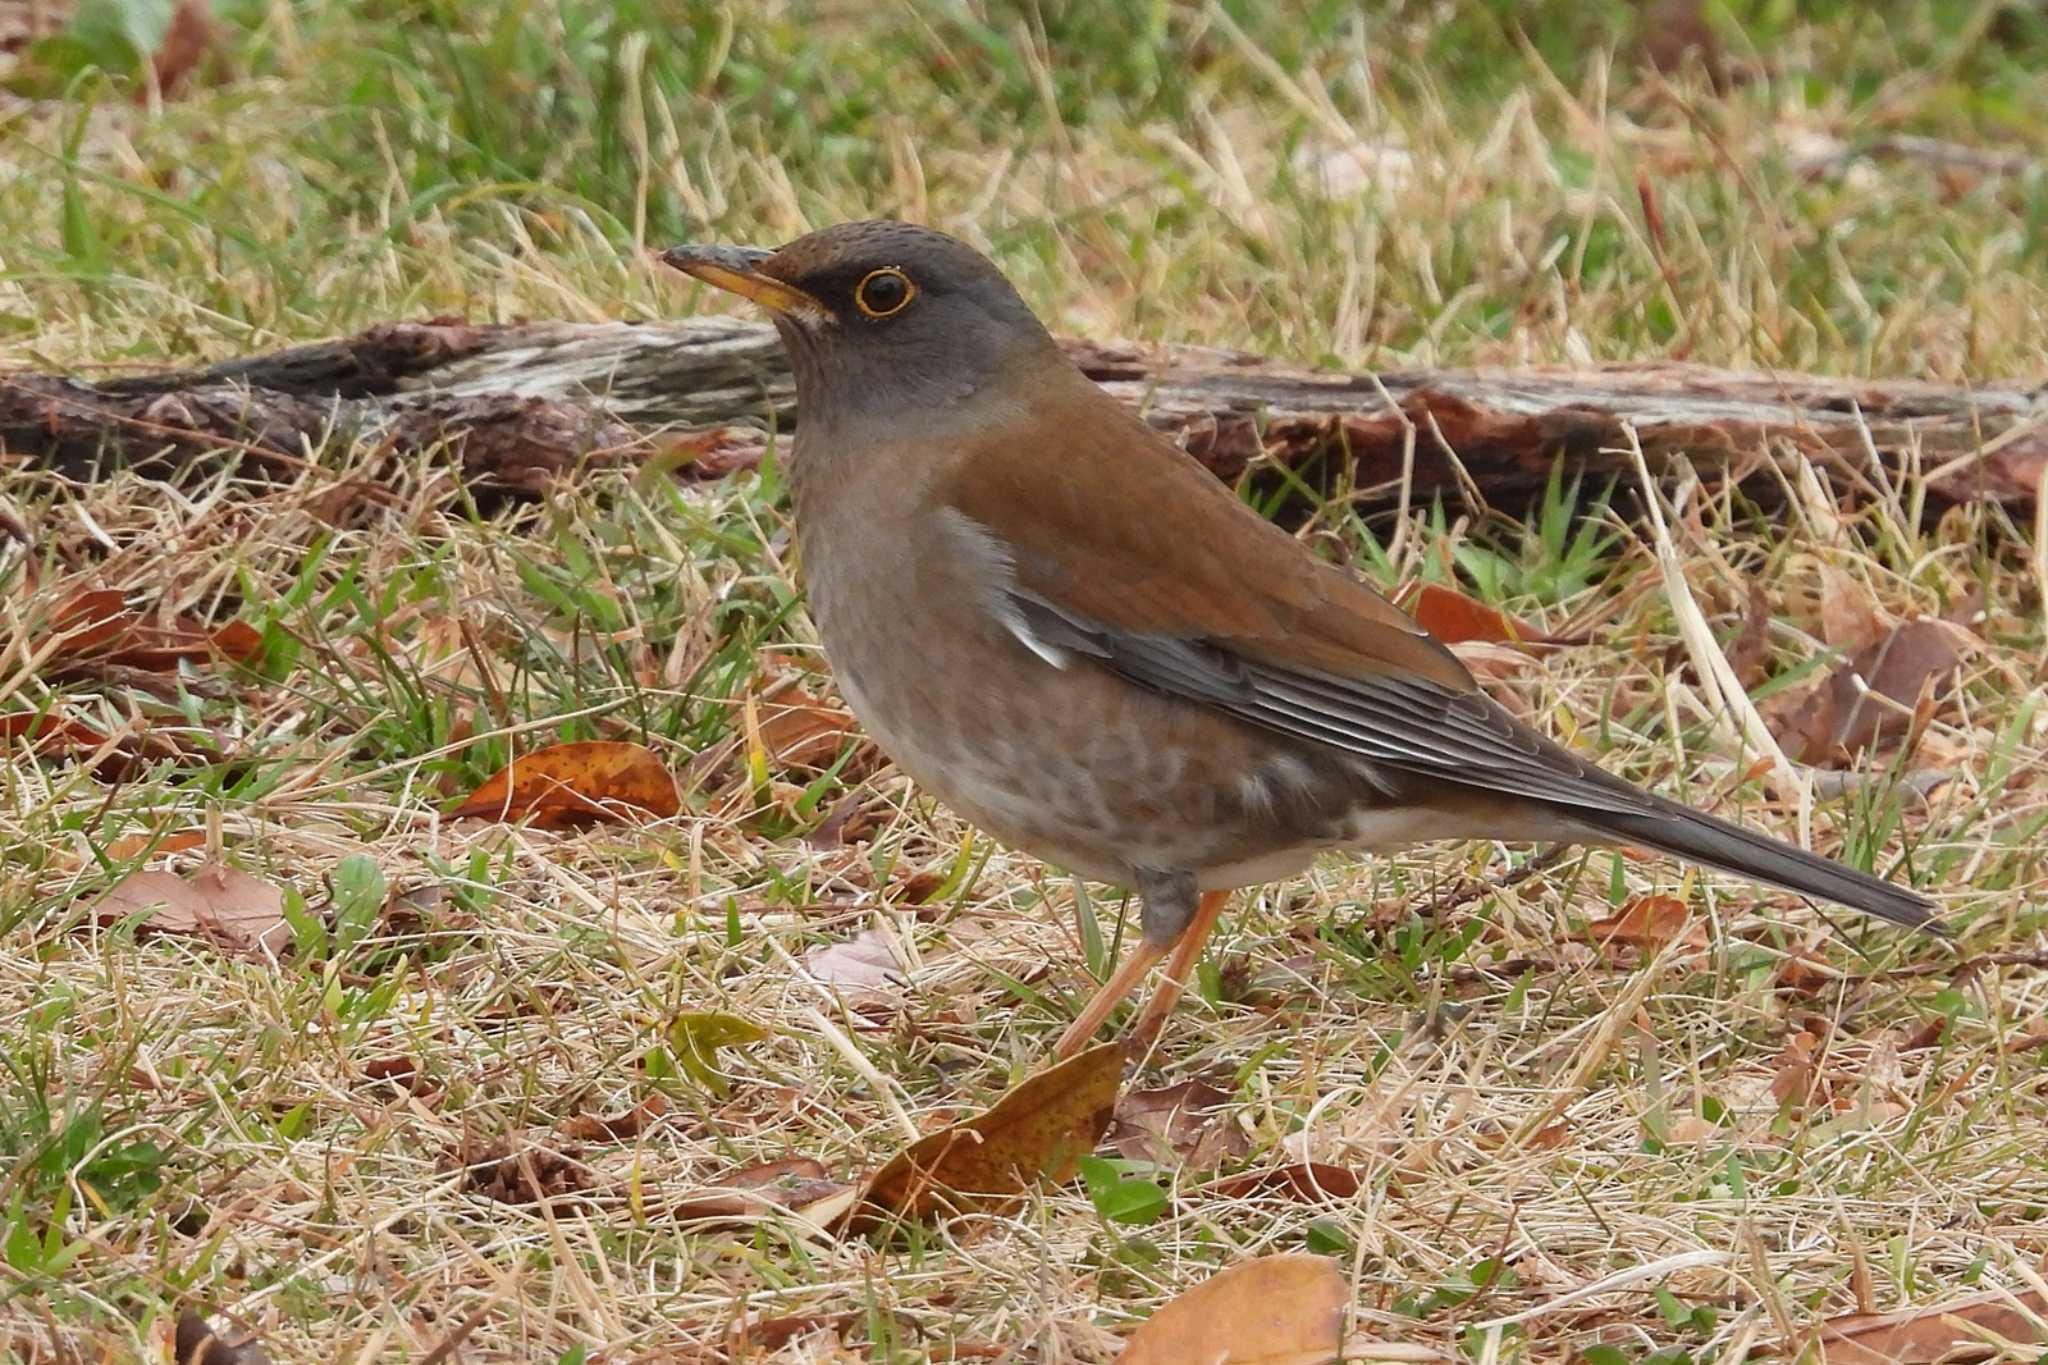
[1054, 620]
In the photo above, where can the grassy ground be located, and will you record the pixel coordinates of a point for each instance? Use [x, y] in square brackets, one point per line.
[1755, 1128]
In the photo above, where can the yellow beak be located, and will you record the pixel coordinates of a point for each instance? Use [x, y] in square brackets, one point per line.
[738, 269]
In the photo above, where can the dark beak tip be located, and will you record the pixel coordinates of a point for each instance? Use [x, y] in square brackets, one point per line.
[738, 259]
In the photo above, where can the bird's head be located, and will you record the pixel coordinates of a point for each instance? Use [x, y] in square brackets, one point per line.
[881, 318]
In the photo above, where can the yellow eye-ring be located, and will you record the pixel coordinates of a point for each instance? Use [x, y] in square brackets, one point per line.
[884, 293]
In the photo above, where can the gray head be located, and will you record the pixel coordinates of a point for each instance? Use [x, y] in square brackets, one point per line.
[881, 316]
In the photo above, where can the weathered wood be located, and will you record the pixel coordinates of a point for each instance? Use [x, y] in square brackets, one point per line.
[568, 388]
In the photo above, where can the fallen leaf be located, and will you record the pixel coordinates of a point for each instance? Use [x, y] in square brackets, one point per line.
[49, 732]
[617, 1128]
[1793, 1074]
[1037, 1133]
[1750, 650]
[790, 1183]
[576, 783]
[100, 628]
[1305, 1180]
[695, 1036]
[1186, 1124]
[799, 730]
[1870, 697]
[862, 968]
[235, 911]
[1275, 1310]
[1455, 619]
[1647, 924]
[1920, 1336]
[131, 846]
[196, 1343]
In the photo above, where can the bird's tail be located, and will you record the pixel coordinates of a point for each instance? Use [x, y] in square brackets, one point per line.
[1685, 833]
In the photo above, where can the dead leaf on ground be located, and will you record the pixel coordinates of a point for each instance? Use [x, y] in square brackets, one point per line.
[1750, 650]
[196, 1343]
[576, 783]
[617, 1128]
[1036, 1134]
[1647, 924]
[1920, 1336]
[1795, 1071]
[799, 730]
[1456, 619]
[236, 912]
[1875, 695]
[1275, 1310]
[864, 968]
[1306, 1180]
[797, 1183]
[1187, 1125]
[132, 846]
[99, 628]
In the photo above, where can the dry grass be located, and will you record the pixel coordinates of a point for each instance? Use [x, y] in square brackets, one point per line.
[1527, 1115]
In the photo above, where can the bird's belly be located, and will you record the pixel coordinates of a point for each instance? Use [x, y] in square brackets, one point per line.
[1083, 770]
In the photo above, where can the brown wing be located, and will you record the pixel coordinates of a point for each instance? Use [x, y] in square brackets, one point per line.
[1211, 603]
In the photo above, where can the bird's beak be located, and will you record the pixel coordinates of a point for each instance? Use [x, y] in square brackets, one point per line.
[738, 268]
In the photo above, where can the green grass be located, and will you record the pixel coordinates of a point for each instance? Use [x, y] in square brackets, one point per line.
[183, 1128]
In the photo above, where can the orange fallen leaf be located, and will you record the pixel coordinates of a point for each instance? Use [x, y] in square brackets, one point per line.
[235, 911]
[1037, 1133]
[1455, 619]
[100, 627]
[49, 732]
[619, 1127]
[800, 731]
[131, 846]
[576, 783]
[1920, 1336]
[1647, 924]
[1275, 1310]
[1306, 1180]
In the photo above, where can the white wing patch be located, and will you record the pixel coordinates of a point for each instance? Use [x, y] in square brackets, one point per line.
[995, 571]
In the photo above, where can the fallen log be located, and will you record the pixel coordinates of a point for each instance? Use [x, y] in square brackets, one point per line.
[518, 404]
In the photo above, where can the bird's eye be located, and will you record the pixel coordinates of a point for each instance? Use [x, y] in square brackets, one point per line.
[884, 293]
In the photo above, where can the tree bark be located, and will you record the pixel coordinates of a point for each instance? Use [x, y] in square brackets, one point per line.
[517, 405]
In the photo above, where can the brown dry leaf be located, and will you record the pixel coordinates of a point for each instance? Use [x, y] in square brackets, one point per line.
[1037, 1133]
[1305, 1180]
[618, 1127]
[862, 968]
[49, 732]
[130, 846]
[574, 784]
[1186, 1124]
[1647, 924]
[796, 1182]
[1455, 619]
[1275, 1310]
[1794, 1074]
[1834, 722]
[99, 627]
[1850, 618]
[238, 913]
[196, 1343]
[1920, 1336]
[1751, 648]
[799, 730]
